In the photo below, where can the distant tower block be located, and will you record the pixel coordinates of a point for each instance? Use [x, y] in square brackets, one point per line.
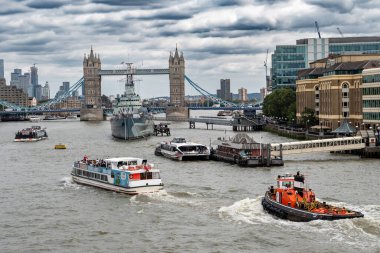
[92, 106]
[177, 109]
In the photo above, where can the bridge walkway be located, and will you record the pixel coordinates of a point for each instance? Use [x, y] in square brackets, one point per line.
[323, 145]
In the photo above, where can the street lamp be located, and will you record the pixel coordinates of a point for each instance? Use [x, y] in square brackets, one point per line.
[320, 130]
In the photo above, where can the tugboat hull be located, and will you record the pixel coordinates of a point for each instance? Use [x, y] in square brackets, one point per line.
[294, 214]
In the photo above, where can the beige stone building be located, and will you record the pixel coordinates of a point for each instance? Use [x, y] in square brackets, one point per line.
[69, 103]
[332, 88]
[243, 96]
[12, 94]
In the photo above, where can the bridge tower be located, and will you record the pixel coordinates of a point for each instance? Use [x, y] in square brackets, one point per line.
[92, 106]
[177, 78]
[177, 109]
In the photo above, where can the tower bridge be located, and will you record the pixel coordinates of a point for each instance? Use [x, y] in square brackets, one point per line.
[91, 108]
[92, 73]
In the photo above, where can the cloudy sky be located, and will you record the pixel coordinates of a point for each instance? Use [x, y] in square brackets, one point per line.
[219, 38]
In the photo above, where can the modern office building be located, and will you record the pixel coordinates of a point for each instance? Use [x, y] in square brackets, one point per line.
[225, 90]
[332, 87]
[34, 79]
[65, 87]
[287, 60]
[371, 98]
[243, 96]
[2, 69]
[46, 92]
[21, 81]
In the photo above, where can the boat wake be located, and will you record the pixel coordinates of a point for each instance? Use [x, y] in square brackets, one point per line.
[164, 196]
[359, 232]
[245, 211]
[68, 183]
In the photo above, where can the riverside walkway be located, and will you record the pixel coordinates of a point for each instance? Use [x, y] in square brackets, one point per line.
[323, 145]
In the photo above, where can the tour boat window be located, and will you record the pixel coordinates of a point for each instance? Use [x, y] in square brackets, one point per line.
[156, 175]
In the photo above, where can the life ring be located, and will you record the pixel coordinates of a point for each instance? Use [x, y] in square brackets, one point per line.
[130, 176]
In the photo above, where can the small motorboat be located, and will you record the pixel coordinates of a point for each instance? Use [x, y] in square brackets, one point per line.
[60, 146]
[293, 201]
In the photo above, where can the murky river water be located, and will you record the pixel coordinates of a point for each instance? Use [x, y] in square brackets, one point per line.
[205, 207]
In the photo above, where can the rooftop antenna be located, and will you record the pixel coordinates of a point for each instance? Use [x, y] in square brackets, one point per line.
[317, 27]
[340, 32]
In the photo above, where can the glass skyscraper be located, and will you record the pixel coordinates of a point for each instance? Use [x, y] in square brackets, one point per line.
[1, 68]
[287, 60]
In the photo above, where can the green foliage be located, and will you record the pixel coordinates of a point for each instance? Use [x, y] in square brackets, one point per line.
[280, 103]
[308, 118]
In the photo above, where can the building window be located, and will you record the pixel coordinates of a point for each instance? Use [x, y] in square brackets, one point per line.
[345, 94]
[346, 114]
[345, 104]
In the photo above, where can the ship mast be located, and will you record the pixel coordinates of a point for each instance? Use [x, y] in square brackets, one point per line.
[129, 83]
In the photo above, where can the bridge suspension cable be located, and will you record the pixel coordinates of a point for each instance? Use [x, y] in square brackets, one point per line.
[208, 94]
[49, 103]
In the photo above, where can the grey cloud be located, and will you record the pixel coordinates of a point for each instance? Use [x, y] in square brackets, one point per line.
[45, 4]
[11, 11]
[334, 6]
[136, 3]
[167, 16]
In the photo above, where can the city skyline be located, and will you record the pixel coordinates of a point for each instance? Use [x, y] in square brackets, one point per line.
[219, 39]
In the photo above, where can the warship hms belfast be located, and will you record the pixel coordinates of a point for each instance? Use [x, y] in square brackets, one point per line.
[130, 120]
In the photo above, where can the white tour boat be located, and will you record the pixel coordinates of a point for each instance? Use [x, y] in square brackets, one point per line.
[124, 174]
[179, 149]
[31, 134]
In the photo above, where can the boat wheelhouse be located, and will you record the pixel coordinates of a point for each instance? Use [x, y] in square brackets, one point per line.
[31, 134]
[128, 175]
[180, 149]
[292, 200]
[244, 151]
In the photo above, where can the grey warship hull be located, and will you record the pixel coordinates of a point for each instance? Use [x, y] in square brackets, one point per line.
[129, 128]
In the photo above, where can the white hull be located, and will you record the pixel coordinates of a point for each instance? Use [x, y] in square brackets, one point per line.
[131, 191]
[184, 156]
[30, 139]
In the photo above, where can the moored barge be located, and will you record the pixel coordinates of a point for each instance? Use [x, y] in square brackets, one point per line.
[128, 175]
[293, 201]
[244, 151]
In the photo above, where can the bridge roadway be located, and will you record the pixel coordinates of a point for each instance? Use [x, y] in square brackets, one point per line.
[232, 108]
[123, 72]
[334, 144]
[34, 111]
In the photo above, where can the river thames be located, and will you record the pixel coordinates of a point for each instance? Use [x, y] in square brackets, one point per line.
[207, 206]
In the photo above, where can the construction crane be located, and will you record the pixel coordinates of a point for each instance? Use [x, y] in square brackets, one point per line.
[340, 32]
[317, 26]
[266, 68]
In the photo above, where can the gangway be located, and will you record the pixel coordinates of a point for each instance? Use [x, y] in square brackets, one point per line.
[323, 145]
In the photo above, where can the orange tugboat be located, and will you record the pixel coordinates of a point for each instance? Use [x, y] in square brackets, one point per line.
[293, 201]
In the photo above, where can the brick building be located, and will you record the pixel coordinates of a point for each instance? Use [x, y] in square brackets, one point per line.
[332, 87]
